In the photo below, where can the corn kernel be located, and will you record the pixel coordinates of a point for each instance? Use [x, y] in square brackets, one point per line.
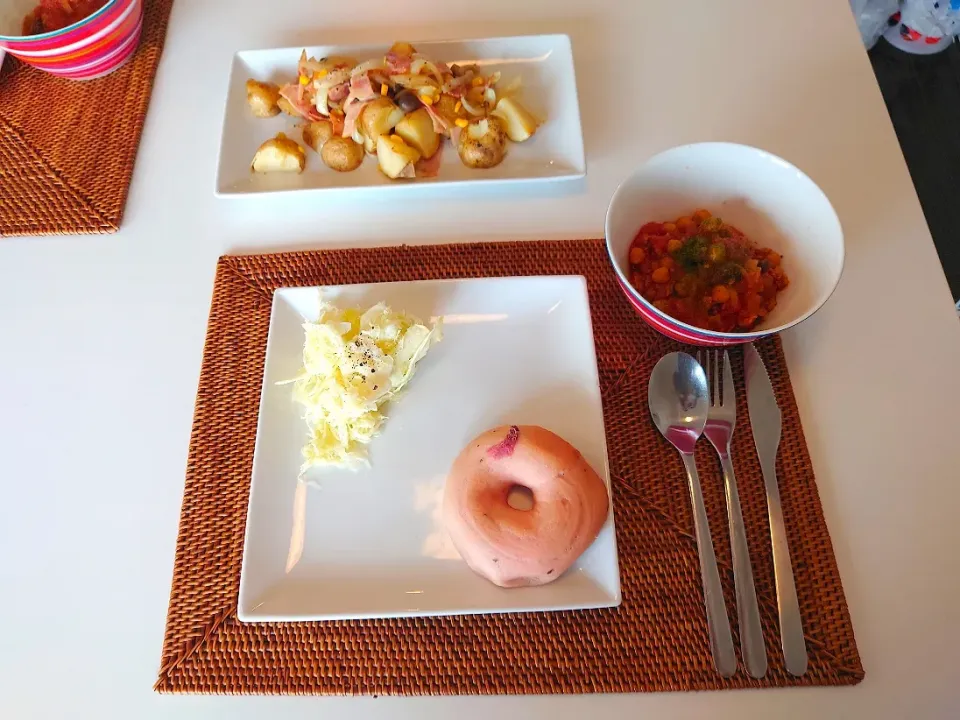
[383, 90]
[304, 80]
[426, 99]
[477, 81]
[319, 74]
[458, 107]
[461, 123]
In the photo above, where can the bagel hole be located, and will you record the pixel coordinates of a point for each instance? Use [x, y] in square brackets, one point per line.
[520, 497]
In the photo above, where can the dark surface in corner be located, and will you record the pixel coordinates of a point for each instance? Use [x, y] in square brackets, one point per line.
[922, 94]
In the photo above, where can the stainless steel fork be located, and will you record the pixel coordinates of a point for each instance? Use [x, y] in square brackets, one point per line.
[721, 421]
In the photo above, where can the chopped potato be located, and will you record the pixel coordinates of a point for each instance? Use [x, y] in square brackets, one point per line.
[342, 154]
[337, 62]
[378, 118]
[315, 134]
[403, 48]
[287, 107]
[369, 144]
[520, 125]
[483, 144]
[279, 154]
[417, 130]
[262, 98]
[395, 156]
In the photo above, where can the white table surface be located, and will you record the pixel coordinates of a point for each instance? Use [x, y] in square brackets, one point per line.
[101, 337]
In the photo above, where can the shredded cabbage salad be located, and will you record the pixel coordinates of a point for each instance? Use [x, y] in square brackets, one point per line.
[354, 361]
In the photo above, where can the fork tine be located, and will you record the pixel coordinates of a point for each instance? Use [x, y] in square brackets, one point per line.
[717, 379]
[711, 378]
[729, 394]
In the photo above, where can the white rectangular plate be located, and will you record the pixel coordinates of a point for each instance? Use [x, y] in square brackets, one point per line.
[370, 543]
[549, 91]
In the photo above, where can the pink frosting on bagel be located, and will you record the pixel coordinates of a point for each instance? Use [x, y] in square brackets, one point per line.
[512, 547]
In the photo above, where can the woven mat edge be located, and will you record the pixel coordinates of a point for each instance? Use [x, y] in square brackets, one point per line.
[232, 266]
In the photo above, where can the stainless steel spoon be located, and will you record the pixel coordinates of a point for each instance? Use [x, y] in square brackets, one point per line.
[679, 403]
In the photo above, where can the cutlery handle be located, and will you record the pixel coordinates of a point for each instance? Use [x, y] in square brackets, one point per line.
[791, 627]
[751, 633]
[718, 624]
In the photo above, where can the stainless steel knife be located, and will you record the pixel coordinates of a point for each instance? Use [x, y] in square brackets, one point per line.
[765, 421]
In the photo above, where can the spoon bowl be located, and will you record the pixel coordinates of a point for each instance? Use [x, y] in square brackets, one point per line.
[678, 399]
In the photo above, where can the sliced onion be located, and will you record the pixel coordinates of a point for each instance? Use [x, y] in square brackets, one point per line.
[470, 108]
[490, 95]
[419, 64]
[357, 137]
[323, 87]
[415, 82]
[478, 129]
[495, 78]
[379, 77]
[366, 67]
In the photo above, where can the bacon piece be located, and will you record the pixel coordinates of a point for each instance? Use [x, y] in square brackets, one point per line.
[440, 125]
[430, 167]
[338, 92]
[290, 92]
[353, 111]
[398, 64]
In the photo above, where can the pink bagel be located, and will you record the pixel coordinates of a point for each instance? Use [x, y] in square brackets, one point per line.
[516, 548]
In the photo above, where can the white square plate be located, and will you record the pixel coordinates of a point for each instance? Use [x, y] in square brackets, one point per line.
[549, 91]
[369, 543]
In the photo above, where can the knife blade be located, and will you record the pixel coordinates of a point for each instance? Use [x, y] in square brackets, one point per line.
[765, 416]
[766, 423]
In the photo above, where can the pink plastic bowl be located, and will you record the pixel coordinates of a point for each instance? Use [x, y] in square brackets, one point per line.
[91, 48]
[770, 200]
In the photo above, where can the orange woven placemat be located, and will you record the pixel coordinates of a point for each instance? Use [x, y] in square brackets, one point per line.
[68, 147]
[656, 640]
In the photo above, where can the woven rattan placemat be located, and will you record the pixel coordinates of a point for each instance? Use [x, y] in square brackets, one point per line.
[656, 640]
[67, 148]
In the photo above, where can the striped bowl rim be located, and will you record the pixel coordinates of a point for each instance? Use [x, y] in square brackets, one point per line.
[684, 330]
[83, 43]
[61, 31]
